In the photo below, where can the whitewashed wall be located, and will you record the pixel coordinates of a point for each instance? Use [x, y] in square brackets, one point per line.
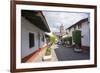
[27, 27]
[86, 34]
[70, 32]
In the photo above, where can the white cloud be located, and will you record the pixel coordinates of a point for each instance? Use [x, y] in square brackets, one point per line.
[55, 19]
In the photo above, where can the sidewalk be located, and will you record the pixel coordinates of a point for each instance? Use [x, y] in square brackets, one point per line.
[42, 53]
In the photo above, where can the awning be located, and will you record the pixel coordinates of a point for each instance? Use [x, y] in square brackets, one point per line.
[38, 21]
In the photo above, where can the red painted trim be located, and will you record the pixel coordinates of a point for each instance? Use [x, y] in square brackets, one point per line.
[33, 55]
[25, 59]
[85, 49]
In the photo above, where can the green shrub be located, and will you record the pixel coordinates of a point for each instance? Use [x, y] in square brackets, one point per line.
[76, 35]
[53, 39]
[69, 39]
[48, 51]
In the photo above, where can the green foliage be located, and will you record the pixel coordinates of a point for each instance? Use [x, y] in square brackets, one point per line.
[53, 39]
[76, 36]
[67, 39]
[48, 51]
[70, 40]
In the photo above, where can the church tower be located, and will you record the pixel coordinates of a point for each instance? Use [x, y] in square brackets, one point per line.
[62, 31]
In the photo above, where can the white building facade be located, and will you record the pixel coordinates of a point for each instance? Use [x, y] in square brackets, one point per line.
[84, 26]
[32, 37]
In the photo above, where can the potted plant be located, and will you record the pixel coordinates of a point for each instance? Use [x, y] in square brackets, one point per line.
[48, 54]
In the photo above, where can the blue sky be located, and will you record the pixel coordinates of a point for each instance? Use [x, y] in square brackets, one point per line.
[55, 19]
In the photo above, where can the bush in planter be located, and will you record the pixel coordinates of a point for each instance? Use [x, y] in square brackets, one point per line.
[48, 55]
[52, 41]
[76, 35]
[48, 51]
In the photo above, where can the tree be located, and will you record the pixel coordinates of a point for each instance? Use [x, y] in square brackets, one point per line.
[67, 39]
[53, 38]
[52, 41]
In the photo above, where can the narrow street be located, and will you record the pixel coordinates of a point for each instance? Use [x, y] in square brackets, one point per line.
[61, 53]
[65, 54]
